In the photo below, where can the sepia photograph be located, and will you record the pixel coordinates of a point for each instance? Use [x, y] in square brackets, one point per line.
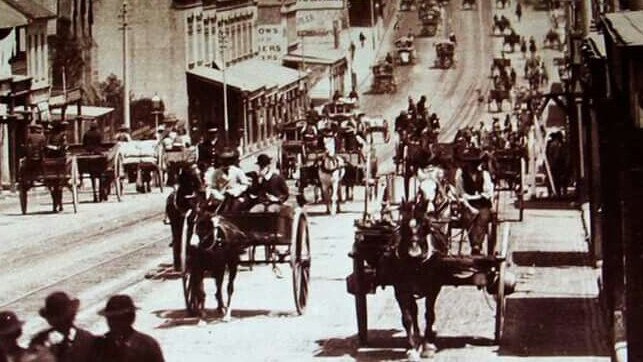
[321, 180]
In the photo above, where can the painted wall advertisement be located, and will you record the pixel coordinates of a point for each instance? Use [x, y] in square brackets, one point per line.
[271, 40]
[320, 23]
[319, 4]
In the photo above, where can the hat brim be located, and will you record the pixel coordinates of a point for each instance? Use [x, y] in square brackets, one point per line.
[71, 308]
[112, 313]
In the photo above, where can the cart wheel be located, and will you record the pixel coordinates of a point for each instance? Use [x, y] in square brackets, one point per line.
[300, 263]
[521, 190]
[118, 186]
[501, 302]
[74, 183]
[159, 179]
[23, 198]
[360, 301]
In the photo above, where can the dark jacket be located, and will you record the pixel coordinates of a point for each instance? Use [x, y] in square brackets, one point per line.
[35, 145]
[208, 153]
[275, 185]
[92, 139]
[135, 347]
[79, 349]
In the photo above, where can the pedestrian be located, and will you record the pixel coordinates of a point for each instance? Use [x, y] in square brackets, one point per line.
[362, 38]
[64, 340]
[518, 10]
[351, 49]
[523, 47]
[122, 343]
[532, 46]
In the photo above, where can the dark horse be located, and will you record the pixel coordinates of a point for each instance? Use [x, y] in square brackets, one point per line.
[417, 274]
[186, 196]
[218, 251]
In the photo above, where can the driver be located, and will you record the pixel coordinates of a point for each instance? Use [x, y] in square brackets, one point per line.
[227, 180]
[269, 187]
[475, 188]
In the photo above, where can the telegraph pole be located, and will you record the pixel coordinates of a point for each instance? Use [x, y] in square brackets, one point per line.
[222, 46]
[124, 19]
[373, 23]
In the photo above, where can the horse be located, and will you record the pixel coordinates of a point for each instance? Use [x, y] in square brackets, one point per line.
[331, 170]
[184, 198]
[418, 274]
[220, 245]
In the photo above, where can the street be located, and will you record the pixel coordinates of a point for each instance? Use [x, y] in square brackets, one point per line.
[122, 247]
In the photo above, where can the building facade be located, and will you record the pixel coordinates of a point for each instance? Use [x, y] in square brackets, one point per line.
[25, 77]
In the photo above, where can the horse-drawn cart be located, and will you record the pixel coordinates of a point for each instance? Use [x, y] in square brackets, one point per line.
[383, 79]
[52, 173]
[377, 263]
[142, 161]
[104, 163]
[430, 21]
[444, 54]
[376, 124]
[282, 234]
[405, 50]
[509, 175]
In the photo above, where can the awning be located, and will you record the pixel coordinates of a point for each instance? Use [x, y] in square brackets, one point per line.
[626, 27]
[241, 82]
[268, 73]
[316, 55]
[11, 19]
[86, 112]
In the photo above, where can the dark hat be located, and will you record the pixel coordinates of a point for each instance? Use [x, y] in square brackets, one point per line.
[59, 304]
[263, 160]
[118, 305]
[9, 323]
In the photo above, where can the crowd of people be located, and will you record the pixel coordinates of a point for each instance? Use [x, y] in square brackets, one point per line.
[64, 341]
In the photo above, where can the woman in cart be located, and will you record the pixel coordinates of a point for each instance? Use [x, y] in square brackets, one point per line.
[475, 189]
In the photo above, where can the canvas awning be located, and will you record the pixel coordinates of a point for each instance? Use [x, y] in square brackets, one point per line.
[626, 27]
[86, 112]
[241, 82]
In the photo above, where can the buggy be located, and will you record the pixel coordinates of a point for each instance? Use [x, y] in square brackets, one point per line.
[444, 52]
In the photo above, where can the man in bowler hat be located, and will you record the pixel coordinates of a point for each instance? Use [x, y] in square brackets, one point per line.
[123, 343]
[269, 186]
[64, 340]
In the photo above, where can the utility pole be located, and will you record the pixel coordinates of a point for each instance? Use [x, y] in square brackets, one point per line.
[222, 46]
[373, 22]
[124, 22]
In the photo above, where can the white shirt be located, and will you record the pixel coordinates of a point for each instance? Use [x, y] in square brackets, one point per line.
[218, 183]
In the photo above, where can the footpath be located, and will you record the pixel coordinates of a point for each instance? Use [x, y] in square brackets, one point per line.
[555, 312]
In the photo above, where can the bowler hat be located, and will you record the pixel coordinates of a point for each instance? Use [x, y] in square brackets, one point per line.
[118, 305]
[9, 323]
[263, 160]
[59, 304]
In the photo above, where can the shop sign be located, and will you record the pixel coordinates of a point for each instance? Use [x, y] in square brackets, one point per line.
[271, 41]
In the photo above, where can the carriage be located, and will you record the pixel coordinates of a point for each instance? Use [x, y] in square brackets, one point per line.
[105, 163]
[468, 4]
[383, 79]
[283, 235]
[511, 40]
[552, 40]
[430, 21]
[52, 173]
[498, 96]
[342, 106]
[500, 64]
[176, 158]
[509, 169]
[373, 124]
[444, 52]
[501, 26]
[376, 241]
[405, 51]
[407, 5]
[142, 161]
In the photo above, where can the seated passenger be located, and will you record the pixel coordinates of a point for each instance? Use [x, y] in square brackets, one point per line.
[475, 188]
[227, 182]
[270, 189]
[92, 139]
[57, 142]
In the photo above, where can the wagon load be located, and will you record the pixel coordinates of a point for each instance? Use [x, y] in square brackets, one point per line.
[139, 151]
